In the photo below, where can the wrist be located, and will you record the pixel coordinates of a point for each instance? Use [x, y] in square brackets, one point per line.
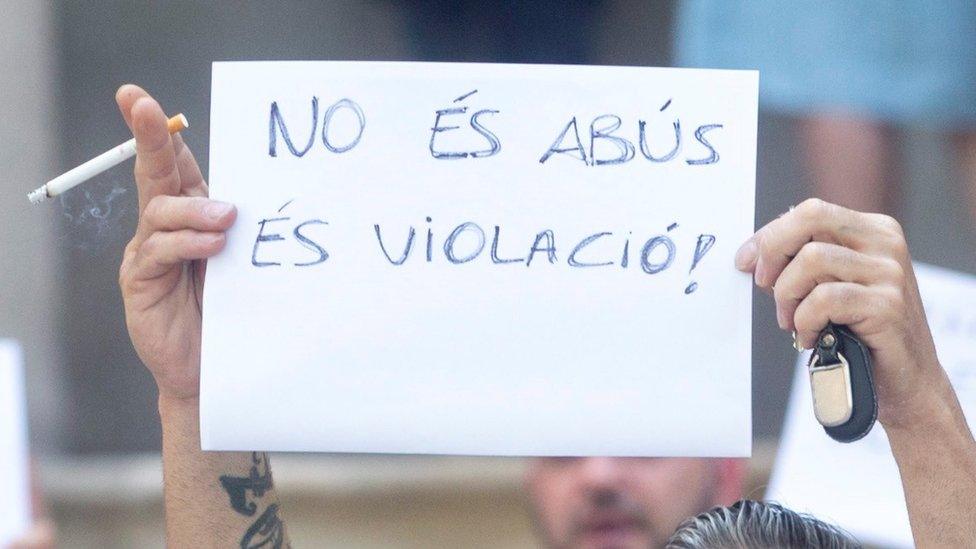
[931, 414]
[170, 406]
[180, 420]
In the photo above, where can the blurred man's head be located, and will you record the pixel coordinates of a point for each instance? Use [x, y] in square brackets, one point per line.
[758, 525]
[621, 503]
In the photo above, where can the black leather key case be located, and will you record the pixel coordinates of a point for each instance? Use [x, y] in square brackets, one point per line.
[844, 400]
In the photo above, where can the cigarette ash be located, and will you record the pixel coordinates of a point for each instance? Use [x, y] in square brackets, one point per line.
[93, 213]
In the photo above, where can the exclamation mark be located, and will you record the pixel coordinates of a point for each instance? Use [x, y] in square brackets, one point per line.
[705, 243]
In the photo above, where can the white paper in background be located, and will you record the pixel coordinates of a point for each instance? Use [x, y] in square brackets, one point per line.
[479, 357]
[14, 460]
[857, 486]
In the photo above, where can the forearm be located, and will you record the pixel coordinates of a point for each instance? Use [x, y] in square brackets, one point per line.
[213, 499]
[936, 457]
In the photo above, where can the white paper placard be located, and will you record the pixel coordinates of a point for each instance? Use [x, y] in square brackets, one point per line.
[857, 486]
[14, 459]
[319, 336]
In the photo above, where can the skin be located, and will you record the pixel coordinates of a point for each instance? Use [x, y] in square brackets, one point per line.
[839, 148]
[622, 503]
[161, 278]
[827, 263]
[965, 148]
[823, 263]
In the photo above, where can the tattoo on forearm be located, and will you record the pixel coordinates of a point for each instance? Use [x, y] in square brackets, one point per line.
[268, 531]
[257, 481]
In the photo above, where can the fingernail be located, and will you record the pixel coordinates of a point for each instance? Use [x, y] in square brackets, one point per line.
[780, 318]
[216, 210]
[760, 274]
[746, 255]
[797, 344]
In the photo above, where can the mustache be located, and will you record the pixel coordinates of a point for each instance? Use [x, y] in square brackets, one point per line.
[609, 507]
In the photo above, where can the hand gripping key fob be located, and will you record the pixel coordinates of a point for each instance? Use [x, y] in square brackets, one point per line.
[844, 400]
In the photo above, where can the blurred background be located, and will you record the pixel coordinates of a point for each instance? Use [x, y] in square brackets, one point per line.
[93, 423]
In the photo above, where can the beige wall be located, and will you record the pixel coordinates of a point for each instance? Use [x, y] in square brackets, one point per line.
[355, 502]
[361, 502]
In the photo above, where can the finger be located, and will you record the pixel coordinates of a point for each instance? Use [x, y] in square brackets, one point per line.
[889, 238]
[191, 179]
[156, 171]
[126, 97]
[819, 262]
[174, 213]
[813, 220]
[162, 250]
[838, 302]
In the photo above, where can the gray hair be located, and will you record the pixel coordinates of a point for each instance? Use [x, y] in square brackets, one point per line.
[756, 524]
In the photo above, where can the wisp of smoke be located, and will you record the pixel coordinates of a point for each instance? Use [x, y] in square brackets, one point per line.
[92, 213]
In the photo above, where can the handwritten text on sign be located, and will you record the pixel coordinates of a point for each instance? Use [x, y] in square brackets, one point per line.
[480, 258]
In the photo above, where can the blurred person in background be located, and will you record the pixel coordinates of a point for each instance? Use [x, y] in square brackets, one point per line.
[758, 525]
[851, 73]
[625, 502]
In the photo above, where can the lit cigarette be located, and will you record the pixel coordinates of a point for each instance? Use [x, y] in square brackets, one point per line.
[97, 165]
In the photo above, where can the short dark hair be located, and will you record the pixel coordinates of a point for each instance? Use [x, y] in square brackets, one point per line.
[751, 524]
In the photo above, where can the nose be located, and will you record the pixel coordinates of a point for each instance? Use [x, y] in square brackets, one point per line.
[598, 474]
